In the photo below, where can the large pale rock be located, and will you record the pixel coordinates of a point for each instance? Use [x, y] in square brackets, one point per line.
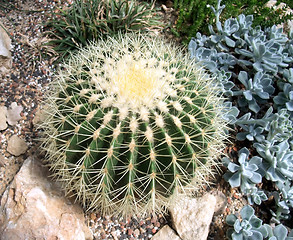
[32, 207]
[192, 217]
[5, 47]
[3, 112]
[166, 233]
[16, 146]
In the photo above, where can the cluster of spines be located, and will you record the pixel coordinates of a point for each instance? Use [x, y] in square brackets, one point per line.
[130, 158]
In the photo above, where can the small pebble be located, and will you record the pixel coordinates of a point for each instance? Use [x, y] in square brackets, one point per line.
[13, 113]
[16, 146]
[136, 232]
[129, 231]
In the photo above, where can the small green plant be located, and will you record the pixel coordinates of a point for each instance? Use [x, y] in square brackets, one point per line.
[192, 16]
[88, 20]
[131, 124]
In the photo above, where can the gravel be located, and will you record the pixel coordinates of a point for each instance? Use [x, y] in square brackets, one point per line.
[24, 84]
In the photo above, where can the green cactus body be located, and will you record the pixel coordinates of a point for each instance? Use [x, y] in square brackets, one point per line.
[131, 124]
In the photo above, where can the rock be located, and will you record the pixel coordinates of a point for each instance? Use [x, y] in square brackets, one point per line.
[13, 113]
[39, 117]
[5, 47]
[3, 112]
[32, 207]
[166, 233]
[192, 217]
[16, 146]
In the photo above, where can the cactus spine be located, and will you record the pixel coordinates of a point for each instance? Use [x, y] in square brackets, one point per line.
[131, 123]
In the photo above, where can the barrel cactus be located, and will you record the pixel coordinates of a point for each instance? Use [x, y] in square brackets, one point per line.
[131, 123]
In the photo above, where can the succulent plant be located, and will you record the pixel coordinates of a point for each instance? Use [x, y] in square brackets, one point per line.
[286, 200]
[280, 127]
[279, 232]
[245, 174]
[272, 125]
[254, 195]
[288, 75]
[253, 68]
[251, 129]
[256, 90]
[266, 55]
[251, 58]
[249, 227]
[230, 112]
[277, 164]
[285, 98]
[131, 124]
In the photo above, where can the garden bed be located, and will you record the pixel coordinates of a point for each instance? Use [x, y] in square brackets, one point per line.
[33, 67]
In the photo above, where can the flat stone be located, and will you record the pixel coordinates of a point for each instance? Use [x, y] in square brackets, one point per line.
[32, 207]
[13, 113]
[16, 146]
[5, 42]
[3, 112]
[166, 233]
[191, 217]
[5, 47]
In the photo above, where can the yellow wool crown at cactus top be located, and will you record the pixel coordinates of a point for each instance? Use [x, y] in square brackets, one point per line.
[131, 123]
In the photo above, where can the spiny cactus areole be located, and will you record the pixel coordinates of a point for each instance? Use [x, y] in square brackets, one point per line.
[131, 123]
